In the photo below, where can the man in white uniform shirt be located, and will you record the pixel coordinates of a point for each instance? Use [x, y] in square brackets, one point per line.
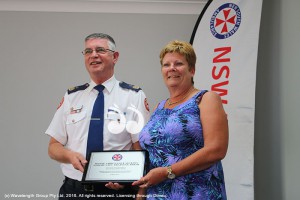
[123, 103]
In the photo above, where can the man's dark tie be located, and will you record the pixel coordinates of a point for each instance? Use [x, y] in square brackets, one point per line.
[95, 137]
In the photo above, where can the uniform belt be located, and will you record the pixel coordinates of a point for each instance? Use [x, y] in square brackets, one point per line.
[79, 185]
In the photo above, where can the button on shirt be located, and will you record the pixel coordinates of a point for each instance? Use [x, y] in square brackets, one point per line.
[125, 115]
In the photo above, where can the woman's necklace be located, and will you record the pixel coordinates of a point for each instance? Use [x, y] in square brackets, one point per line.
[188, 92]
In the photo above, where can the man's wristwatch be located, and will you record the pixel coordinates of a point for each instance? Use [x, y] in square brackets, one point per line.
[171, 175]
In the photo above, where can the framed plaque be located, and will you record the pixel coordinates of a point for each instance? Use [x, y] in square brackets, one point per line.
[115, 166]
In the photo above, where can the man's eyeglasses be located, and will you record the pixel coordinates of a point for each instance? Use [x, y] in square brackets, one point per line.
[99, 50]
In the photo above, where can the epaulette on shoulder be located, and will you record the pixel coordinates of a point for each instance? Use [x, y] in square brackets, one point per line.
[77, 88]
[129, 86]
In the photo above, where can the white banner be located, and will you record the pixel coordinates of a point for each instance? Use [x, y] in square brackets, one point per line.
[225, 39]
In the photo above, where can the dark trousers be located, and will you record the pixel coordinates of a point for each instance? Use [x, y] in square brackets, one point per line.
[73, 189]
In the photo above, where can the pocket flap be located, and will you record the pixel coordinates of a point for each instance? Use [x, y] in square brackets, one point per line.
[75, 118]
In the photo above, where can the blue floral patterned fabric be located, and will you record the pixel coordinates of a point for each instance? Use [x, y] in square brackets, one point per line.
[172, 135]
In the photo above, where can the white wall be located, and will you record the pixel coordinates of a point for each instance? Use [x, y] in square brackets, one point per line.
[277, 121]
[290, 95]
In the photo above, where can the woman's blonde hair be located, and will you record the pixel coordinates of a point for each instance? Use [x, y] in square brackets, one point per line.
[183, 48]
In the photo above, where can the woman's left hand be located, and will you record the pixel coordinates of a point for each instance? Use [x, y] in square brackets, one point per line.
[154, 177]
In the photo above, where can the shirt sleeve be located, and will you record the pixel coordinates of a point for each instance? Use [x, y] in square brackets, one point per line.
[142, 115]
[57, 127]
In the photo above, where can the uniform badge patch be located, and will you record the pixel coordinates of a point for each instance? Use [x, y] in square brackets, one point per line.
[74, 110]
[146, 104]
[61, 103]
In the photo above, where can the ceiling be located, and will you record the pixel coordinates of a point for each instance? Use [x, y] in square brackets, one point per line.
[106, 6]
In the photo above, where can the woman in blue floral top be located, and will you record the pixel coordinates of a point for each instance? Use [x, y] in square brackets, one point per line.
[186, 136]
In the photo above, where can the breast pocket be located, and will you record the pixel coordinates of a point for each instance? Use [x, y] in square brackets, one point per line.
[76, 128]
[115, 122]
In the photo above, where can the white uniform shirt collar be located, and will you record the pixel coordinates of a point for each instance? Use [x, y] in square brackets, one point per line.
[109, 84]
